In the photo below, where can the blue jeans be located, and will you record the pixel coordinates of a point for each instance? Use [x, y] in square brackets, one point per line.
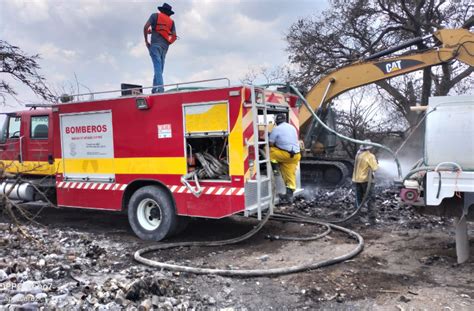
[157, 54]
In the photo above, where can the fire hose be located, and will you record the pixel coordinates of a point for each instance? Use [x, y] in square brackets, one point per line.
[253, 272]
[211, 168]
[365, 199]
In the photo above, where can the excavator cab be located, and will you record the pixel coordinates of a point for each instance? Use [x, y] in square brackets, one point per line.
[321, 140]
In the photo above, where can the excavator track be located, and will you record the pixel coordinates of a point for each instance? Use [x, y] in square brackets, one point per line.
[324, 173]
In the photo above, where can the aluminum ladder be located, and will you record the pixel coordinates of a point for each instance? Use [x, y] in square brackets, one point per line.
[263, 182]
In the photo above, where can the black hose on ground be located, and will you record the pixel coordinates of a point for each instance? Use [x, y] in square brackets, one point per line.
[251, 272]
[299, 219]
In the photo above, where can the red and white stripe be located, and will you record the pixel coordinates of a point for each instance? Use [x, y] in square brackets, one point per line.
[210, 190]
[95, 186]
[91, 186]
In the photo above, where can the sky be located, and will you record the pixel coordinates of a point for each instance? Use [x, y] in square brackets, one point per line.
[101, 42]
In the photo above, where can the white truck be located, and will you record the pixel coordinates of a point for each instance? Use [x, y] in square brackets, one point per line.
[442, 183]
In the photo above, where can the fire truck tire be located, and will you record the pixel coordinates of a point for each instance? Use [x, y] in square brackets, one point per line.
[151, 213]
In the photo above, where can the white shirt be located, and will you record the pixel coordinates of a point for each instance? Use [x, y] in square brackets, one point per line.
[285, 137]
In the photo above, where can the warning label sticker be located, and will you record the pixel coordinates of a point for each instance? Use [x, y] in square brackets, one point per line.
[164, 130]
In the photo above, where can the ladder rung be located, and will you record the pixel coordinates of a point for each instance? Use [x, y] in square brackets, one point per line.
[261, 179]
[263, 161]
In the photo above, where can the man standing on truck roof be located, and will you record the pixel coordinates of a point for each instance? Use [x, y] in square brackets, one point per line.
[163, 33]
[285, 150]
[364, 166]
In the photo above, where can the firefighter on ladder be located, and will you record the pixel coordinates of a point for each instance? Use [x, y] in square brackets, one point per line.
[285, 151]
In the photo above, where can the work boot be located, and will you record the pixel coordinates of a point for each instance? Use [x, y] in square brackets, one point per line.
[275, 168]
[288, 196]
[283, 198]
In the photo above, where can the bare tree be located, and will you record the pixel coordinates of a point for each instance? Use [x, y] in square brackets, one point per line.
[266, 75]
[360, 118]
[352, 29]
[69, 90]
[23, 68]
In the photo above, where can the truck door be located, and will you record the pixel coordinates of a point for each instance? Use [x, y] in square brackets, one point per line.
[11, 139]
[37, 147]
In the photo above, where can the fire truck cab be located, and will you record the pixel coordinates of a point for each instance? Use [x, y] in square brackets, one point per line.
[161, 157]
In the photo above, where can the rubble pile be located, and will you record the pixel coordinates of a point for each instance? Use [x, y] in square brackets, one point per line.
[68, 270]
[61, 268]
[339, 203]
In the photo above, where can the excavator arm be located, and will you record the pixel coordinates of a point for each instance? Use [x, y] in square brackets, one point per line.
[453, 44]
[320, 165]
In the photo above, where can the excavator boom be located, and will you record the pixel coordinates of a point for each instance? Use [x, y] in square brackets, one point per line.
[454, 44]
[319, 165]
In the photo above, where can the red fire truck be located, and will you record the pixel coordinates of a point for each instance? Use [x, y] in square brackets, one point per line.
[162, 157]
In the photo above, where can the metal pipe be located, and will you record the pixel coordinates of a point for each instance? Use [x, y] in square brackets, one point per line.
[398, 47]
[137, 88]
[150, 87]
[331, 81]
[21, 149]
[418, 108]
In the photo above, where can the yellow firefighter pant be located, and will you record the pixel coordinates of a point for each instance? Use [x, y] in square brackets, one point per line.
[287, 165]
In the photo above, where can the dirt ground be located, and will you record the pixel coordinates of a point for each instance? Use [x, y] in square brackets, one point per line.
[405, 265]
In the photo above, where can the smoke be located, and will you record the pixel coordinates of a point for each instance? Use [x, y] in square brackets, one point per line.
[388, 168]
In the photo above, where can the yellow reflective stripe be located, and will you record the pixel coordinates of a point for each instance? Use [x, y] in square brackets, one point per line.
[150, 165]
[28, 167]
[236, 146]
[206, 118]
[175, 165]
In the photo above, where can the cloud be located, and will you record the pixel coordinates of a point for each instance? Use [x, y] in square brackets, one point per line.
[138, 49]
[108, 59]
[49, 51]
[30, 12]
[102, 41]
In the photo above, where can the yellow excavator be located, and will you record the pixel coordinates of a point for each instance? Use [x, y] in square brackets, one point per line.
[318, 163]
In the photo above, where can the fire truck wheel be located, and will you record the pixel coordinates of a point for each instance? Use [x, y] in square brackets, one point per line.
[151, 213]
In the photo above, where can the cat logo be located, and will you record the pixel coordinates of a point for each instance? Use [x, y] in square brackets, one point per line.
[394, 66]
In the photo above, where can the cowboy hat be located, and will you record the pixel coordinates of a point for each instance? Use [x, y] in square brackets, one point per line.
[166, 8]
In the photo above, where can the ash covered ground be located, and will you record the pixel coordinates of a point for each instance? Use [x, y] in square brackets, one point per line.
[81, 260]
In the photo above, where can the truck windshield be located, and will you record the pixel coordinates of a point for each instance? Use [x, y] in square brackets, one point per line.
[3, 127]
